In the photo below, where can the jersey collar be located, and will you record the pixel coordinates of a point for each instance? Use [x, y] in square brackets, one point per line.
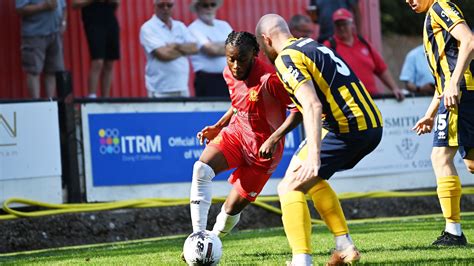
[289, 42]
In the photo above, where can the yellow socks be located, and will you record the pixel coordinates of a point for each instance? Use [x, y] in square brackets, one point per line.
[296, 221]
[449, 194]
[329, 208]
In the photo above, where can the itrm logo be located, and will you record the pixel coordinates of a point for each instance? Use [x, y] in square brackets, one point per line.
[112, 143]
[9, 126]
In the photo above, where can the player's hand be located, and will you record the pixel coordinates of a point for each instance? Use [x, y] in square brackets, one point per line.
[424, 125]
[450, 96]
[207, 134]
[308, 170]
[267, 149]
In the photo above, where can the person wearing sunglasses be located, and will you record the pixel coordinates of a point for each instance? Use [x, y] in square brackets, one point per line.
[167, 43]
[209, 62]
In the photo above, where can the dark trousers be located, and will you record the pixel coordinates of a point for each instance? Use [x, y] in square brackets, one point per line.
[210, 85]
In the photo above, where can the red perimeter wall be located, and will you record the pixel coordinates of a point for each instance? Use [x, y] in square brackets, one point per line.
[129, 71]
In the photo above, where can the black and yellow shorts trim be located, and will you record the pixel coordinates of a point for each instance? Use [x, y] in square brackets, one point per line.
[342, 151]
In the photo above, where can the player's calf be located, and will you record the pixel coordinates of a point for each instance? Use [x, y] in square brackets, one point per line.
[201, 195]
[225, 222]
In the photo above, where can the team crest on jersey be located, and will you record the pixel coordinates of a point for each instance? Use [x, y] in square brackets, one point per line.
[253, 95]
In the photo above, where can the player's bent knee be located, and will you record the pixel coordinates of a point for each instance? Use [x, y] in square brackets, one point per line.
[440, 159]
[202, 171]
[282, 188]
[286, 186]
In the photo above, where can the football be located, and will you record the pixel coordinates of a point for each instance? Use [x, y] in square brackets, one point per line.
[202, 248]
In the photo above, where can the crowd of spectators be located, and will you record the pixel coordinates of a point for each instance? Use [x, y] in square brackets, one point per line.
[171, 47]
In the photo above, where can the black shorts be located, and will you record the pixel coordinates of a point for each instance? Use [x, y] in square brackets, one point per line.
[455, 128]
[103, 41]
[342, 151]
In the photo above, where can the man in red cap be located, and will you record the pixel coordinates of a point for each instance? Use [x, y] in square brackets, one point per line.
[360, 55]
[321, 11]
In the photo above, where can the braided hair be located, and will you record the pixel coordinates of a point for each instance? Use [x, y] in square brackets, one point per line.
[242, 39]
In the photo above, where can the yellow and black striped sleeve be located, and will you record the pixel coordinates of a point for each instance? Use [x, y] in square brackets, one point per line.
[446, 14]
[291, 69]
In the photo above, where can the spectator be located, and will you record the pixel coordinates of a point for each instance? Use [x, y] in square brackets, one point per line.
[102, 31]
[42, 25]
[416, 72]
[167, 43]
[210, 34]
[321, 12]
[360, 55]
[301, 26]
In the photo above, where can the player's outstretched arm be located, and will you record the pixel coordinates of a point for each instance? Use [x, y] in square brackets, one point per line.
[208, 133]
[268, 147]
[463, 34]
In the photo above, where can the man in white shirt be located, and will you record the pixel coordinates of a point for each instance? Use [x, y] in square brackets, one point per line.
[210, 34]
[167, 43]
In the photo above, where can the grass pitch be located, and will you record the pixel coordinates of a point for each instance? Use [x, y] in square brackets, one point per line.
[404, 241]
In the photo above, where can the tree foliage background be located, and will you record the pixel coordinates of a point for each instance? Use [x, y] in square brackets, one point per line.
[398, 18]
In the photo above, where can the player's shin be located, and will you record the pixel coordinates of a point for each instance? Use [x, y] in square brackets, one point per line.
[296, 221]
[201, 195]
[225, 223]
[329, 208]
[449, 194]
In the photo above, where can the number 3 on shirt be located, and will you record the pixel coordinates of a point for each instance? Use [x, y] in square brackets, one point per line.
[340, 65]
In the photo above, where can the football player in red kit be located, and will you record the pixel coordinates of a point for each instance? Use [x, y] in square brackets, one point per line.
[248, 138]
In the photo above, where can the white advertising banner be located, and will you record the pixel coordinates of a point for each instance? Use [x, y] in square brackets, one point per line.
[401, 149]
[401, 160]
[30, 157]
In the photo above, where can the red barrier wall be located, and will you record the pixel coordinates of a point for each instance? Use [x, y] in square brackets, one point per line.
[129, 71]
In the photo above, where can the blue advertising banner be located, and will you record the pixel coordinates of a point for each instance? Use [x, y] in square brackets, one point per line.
[154, 148]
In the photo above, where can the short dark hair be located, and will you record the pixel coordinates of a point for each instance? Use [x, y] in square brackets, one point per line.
[296, 20]
[242, 38]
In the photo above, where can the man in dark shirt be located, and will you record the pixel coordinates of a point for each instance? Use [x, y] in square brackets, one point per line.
[102, 31]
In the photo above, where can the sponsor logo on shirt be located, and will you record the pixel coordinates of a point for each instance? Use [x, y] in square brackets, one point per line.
[291, 73]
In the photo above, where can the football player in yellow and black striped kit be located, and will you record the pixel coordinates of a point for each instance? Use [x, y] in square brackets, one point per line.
[449, 48]
[342, 125]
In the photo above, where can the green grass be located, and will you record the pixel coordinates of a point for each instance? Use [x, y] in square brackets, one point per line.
[395, 241]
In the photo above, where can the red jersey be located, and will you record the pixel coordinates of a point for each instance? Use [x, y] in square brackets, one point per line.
[365, 61]
[260, 103]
